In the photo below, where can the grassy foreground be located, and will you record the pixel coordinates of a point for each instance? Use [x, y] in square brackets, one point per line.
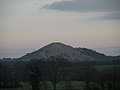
[46, 85]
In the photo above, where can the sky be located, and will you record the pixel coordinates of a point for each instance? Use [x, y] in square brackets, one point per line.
[27, 25]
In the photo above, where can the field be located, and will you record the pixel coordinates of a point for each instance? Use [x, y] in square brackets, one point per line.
[105, 67]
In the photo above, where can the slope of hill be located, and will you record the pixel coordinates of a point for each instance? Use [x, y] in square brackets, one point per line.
[57, 49]
[92, 53]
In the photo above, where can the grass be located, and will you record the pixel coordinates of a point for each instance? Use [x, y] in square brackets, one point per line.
[26, 86]
[46, 85]
[105, 67]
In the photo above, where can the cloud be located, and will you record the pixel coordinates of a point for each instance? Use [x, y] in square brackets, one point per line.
[105, 6]
[86, 5]
[109, 16]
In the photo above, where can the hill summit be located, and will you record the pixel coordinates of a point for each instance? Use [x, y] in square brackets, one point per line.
[57, 49]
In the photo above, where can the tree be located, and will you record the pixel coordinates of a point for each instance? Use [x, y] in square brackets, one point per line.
[116, 74]
[88, 73]
[34, 73]
[57, 69]
[5, 74]
[0, 73]
[101, 79]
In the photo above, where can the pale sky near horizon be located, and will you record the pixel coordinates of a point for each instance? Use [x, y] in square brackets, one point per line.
[35, 23]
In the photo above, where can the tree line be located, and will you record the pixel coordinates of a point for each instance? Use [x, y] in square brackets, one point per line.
[56, 69]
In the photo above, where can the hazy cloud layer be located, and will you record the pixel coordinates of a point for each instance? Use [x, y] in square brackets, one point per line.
[109, 16]
[86, 5]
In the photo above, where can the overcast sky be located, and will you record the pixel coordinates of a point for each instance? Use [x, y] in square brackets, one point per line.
[79, 23]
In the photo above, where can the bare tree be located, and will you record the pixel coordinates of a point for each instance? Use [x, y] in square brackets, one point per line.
[116, 74]
[57, 69]
[34, 73]
[0, 74]
[88, 73]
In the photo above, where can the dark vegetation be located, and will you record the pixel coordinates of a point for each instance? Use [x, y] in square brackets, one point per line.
[58, 73]
[56, 69]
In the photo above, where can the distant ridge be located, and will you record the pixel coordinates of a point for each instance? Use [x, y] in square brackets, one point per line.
[57, 49]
